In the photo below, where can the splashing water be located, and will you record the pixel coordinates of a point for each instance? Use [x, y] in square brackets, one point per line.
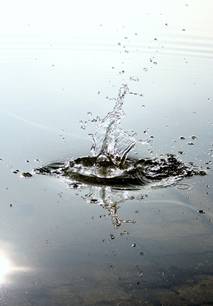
[110, 164]
[115, 143]
[110, 176]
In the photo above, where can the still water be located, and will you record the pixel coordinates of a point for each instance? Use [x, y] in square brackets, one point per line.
[62, 65]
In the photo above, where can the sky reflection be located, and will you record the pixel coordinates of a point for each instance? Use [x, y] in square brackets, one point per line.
[8, 268]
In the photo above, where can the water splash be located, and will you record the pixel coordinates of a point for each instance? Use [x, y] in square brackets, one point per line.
[132, 173]
[111, 142]
[110, 176]
[110, 164]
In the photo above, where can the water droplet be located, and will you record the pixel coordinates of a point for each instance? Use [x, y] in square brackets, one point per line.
[201, 211]
[26, 174]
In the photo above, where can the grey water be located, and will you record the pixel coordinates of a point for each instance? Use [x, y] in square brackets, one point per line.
[64, 242]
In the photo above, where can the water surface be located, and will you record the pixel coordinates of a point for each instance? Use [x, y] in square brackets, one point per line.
[62, 244]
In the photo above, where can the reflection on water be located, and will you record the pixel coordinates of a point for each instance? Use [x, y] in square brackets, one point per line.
[110, 199]
[6, 268]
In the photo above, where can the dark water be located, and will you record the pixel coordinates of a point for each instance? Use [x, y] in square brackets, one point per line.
[67, 244]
